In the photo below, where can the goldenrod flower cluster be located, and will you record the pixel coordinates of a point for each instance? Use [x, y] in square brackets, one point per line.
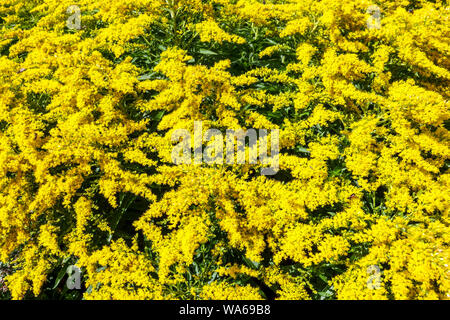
[358, 210]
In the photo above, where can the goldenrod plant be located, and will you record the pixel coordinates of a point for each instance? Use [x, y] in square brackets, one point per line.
[91, 92]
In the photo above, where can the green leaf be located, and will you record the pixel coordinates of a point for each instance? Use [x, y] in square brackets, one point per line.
[61, 273]
[206, 52]
[250, 263]
[146, 76]
[302, 149]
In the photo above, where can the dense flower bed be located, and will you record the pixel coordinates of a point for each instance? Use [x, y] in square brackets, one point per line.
[358, 210]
